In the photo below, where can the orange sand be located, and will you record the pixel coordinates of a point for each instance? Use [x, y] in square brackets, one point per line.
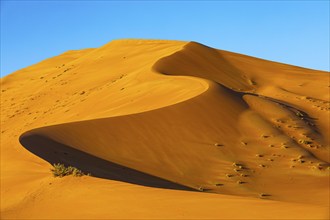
[155, 122]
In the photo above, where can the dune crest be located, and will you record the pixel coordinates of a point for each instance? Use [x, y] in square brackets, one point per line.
[173, 115]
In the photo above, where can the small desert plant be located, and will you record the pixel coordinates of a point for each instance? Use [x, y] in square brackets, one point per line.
[237, 165]
[301, 161]
[200, 188]
[299, 114]
[60, 170]
[252, 82]
[301, 141]
[262, 195]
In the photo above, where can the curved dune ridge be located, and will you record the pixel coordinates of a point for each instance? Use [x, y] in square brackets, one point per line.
[169, 115]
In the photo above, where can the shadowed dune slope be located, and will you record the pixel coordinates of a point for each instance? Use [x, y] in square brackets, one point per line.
[167, 115]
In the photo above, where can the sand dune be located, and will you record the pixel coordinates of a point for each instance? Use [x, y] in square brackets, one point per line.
[163, 120]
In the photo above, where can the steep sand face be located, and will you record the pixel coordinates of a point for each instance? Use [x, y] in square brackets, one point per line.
[202, 118]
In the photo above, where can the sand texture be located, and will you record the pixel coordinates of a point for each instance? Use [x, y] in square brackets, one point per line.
[168, 130]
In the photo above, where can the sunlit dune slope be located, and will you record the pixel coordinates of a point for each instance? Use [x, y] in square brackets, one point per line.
[168, 115]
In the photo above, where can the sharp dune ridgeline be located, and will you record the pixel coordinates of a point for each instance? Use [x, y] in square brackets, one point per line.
[167, 129]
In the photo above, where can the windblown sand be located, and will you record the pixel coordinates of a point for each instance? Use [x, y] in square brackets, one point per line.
[168, 129]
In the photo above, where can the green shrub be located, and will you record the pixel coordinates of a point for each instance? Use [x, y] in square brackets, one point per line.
[60, 170]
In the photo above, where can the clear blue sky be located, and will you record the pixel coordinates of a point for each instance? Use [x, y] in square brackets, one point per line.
[294, 32]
